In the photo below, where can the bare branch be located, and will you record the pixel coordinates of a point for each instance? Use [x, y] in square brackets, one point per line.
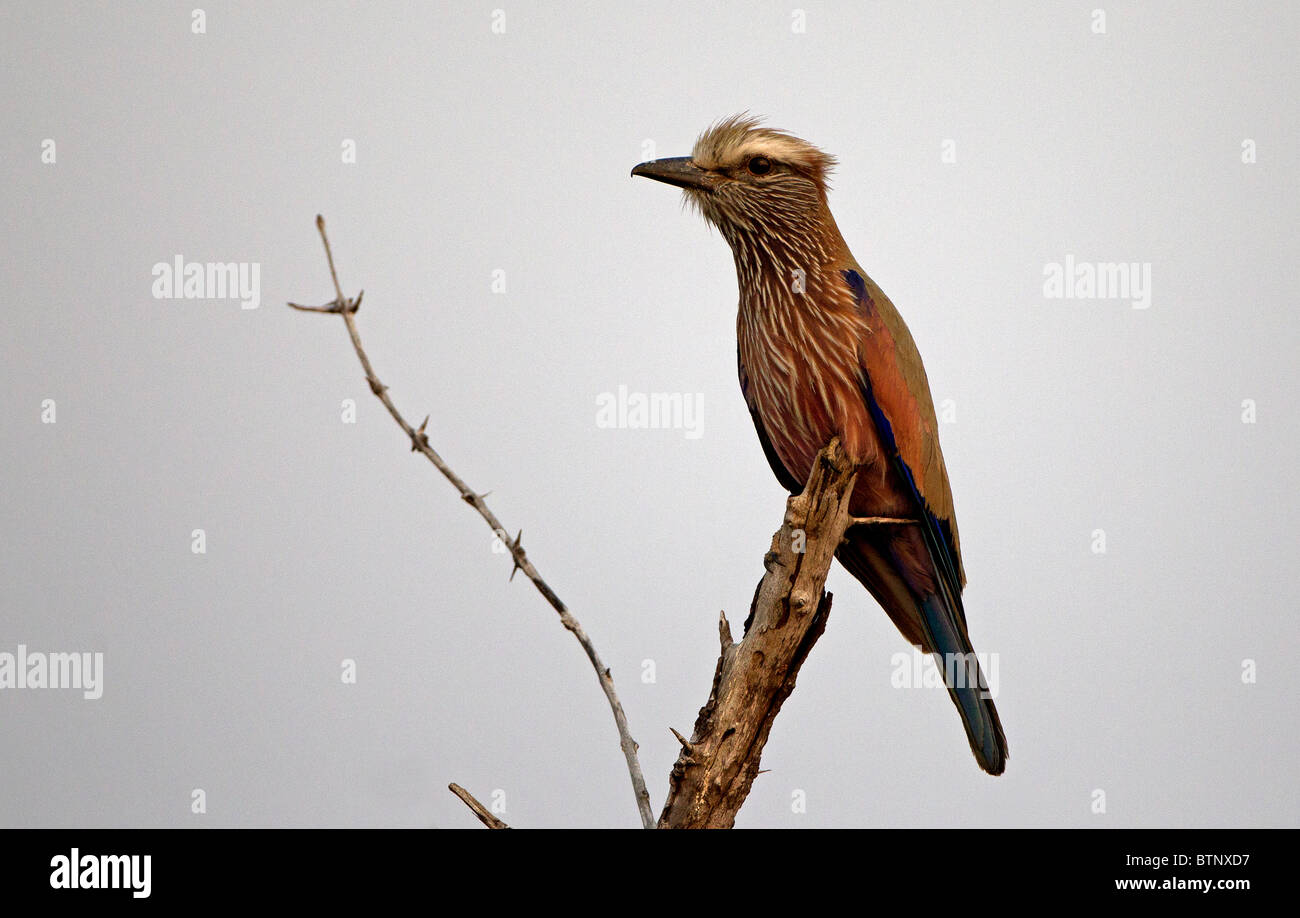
[420, 443]
[479, 810]
[718, 764]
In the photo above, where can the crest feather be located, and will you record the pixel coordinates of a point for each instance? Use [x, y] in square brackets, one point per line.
[734, 140]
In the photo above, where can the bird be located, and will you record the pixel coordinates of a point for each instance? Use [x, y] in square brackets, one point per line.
[822, 353]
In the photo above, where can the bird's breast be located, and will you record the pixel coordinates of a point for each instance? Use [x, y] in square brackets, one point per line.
[801, 357]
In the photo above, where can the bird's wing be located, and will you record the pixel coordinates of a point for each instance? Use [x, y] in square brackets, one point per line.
[897, 394]
[788, 481]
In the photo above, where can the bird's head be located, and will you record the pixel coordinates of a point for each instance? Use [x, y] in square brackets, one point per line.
[748, 180]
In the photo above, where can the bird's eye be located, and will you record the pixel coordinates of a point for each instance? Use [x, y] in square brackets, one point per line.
[760, 165]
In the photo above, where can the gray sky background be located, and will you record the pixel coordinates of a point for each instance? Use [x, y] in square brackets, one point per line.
[479, 152]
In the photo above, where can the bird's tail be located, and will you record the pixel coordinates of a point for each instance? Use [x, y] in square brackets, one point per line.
[937, 624]
[966, 683]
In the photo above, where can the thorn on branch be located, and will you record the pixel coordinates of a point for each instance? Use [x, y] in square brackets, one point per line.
[332, 307]
[419, 439]
[517, 554]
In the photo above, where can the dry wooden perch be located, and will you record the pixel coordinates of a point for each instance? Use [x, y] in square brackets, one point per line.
[718, 764]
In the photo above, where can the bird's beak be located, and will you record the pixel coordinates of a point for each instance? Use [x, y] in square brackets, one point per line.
[679, 171]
